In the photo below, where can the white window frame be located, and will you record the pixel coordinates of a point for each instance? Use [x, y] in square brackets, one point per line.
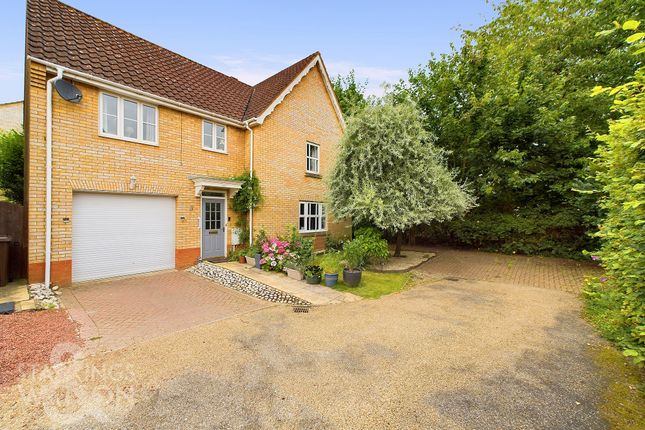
[308, 157]
[120, 120]
[214, 137]
[321, 216]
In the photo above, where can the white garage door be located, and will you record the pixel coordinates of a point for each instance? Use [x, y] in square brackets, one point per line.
[120, 234]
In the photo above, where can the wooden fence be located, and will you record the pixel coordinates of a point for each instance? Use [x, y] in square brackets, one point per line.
[12, 225]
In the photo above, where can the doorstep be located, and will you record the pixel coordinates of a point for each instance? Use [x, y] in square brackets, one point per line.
[317, 295]
[15, 296]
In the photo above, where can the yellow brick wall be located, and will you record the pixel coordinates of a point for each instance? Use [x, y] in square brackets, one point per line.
[85, 161]
[306, 114]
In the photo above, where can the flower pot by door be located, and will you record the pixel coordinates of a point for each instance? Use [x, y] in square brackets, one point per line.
[294, 274]
[258, 257]
[352, 277]
[250, 261]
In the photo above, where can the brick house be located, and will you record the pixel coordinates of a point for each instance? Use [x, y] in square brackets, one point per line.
[141, 165]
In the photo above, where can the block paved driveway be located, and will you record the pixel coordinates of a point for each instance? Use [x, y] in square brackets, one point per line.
[519, 270]
[115, 313]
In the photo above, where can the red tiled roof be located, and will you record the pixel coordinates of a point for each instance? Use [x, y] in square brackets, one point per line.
[65, 36]
[269, 89]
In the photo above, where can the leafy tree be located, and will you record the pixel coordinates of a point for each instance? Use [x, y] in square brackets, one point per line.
[12, 146]
[511, 108]
[620, 171]
[350, 94]
[389, 173]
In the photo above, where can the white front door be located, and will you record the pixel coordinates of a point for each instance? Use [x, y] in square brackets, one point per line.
[213, 227]
[121, 234]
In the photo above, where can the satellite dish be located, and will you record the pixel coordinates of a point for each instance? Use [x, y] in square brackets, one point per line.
[68, 91]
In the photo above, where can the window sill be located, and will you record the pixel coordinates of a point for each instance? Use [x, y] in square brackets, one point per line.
[127, 139]
[313, 175]
[313, 233]
[215, 150]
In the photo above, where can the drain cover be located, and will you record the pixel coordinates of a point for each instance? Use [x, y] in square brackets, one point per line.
[301, 309]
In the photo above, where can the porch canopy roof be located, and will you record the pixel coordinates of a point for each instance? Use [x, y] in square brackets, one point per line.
[202, 182]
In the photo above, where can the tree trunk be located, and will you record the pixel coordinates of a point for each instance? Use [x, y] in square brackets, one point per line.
[399, 242]
[412, 238]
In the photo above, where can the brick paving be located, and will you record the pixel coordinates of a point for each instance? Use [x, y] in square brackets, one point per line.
[543, 272]
[116, 313]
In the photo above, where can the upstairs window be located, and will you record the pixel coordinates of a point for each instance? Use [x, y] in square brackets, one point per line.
[213, 137]
[313, 217]
[128, 119]
[313, 158]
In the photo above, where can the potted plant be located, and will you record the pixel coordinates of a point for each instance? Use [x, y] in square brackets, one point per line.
[250, 259]
[251, 253]
[312, 274]
[354, 259]
[331, 265]
[293, 270]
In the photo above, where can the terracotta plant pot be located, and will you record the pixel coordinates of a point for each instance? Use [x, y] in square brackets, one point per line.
[242, 259]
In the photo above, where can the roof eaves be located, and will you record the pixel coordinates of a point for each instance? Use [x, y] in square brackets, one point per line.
[117, 87]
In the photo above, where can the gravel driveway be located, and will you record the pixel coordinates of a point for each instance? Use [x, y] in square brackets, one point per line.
[445, 355]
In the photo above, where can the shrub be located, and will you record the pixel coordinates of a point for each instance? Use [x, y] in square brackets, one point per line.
[12, 146]
[313, 270]
[371, 240]
[301, 253]
[620, 170]
[275, 253]
[354, 256]
[367, 247]
[332, 262]
[333, 243]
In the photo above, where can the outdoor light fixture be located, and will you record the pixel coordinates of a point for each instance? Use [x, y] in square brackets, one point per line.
[133, 182]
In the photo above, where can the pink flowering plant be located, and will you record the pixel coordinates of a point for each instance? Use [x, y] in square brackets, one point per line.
[275, 253]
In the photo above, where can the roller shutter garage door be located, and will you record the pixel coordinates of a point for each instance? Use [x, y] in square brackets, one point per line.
[121, 234]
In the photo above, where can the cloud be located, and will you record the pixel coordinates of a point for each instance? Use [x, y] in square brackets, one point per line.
[375, 76]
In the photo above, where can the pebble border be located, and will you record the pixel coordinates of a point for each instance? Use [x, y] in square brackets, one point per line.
[44, 297]
[245, 285]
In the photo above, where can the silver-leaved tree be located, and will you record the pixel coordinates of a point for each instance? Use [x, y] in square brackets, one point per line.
[389, 174]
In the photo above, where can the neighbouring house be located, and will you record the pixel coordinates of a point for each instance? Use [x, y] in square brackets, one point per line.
[141, 166]
[11, 116]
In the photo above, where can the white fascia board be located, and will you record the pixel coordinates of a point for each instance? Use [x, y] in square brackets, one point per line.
[317, 61]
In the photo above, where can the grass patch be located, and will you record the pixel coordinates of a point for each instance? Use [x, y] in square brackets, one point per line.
[624, 399]
[376, 284]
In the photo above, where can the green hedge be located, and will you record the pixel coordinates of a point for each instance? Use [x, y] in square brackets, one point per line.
[533, 233]
[616, 302]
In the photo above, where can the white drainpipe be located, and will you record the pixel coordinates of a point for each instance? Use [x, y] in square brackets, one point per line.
[48, 178]
[246, 124]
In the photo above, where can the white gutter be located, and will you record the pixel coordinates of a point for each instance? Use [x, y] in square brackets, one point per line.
[246, 124]
[48, 178]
